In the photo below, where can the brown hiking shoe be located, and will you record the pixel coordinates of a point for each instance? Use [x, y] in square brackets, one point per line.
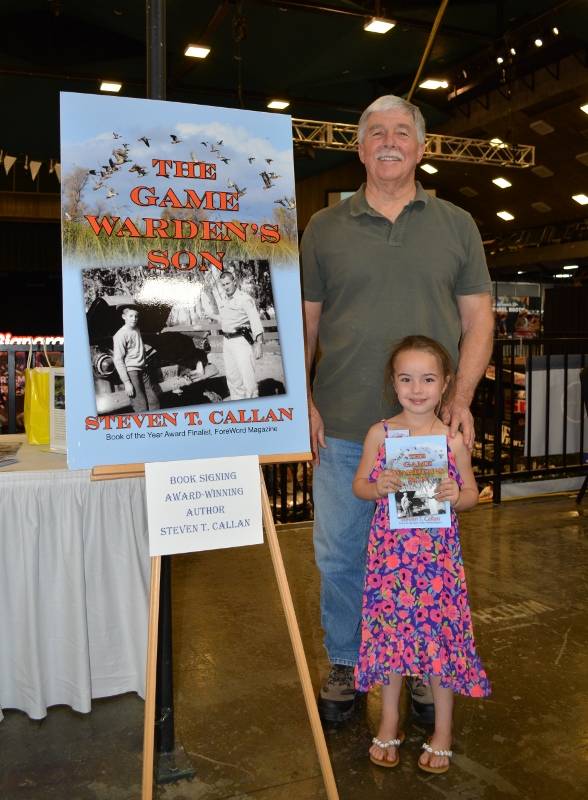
[421, 696]
[336, 700]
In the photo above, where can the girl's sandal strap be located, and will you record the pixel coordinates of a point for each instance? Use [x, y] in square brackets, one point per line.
[429, 749]
[388, 743]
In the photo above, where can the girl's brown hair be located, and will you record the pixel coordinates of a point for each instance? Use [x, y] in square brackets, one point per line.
[425, 345]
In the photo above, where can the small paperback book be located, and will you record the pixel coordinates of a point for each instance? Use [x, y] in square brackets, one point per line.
[422, 462]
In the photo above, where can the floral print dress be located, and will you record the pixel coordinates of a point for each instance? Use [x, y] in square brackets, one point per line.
[416, 618]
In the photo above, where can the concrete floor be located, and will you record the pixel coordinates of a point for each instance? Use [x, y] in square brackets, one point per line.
[241, 718]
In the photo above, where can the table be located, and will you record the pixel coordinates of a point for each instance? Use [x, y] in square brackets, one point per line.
[74, 584]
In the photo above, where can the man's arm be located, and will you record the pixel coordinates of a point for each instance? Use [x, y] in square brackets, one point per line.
[312, 316]
[255, 325]
[477, 325]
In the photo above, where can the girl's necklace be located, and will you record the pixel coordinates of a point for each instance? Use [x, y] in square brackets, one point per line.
[426, 433]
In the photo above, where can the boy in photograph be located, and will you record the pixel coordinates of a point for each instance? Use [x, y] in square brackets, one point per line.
[129, 359]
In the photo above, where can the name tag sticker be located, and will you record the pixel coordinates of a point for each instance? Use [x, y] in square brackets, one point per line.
[204, 504]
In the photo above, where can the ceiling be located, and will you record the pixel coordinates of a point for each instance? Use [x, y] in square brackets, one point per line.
[318, 56]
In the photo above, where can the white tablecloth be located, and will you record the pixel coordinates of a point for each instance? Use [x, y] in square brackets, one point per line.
[74, 589]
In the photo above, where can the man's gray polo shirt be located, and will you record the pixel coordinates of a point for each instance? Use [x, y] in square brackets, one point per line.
[379, 281]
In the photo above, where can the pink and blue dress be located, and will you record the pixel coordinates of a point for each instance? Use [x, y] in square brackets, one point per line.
[416, 618]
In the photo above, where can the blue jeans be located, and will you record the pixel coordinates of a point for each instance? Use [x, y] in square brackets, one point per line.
[341, 529]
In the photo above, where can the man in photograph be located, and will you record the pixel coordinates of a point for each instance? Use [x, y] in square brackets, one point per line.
[128, 353]
[243, 338]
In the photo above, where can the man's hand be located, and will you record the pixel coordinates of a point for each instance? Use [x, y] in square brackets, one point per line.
[129, 389]
[457, 415]
[256, 350]
[317, 432]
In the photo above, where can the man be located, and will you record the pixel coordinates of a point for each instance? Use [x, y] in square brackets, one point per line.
[243, 338]
[385, 263]
[128, 354]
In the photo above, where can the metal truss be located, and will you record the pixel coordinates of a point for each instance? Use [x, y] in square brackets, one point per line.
[343, 137]
[559, 233]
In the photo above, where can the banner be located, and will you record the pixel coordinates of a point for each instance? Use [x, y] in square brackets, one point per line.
[565, 411]
[181, 289]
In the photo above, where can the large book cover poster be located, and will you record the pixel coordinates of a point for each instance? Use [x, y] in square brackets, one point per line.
[422, 462]
[181, 288]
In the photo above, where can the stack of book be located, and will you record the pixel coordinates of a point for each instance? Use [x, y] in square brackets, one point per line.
[8, 453]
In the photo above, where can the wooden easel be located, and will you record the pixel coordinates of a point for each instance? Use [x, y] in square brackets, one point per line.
[137, 470]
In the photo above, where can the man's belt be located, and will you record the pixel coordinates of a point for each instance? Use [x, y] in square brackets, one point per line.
[244, 332]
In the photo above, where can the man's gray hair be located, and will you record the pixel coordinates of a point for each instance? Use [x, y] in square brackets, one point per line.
[389, 102]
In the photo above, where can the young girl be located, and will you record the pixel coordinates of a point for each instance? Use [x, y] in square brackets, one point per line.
[416, 618]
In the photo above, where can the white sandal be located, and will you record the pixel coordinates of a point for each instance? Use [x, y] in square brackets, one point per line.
[384, 762]
[435, 770]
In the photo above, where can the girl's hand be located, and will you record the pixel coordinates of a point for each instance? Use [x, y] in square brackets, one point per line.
[388, 481]
[448, 490]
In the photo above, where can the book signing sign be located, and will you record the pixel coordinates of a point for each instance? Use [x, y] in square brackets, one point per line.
[181, 289]
[207, 504]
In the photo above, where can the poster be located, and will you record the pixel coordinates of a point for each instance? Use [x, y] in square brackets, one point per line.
[181, 289]
[517, 316]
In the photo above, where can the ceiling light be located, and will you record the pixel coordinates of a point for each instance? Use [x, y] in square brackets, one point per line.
[498, 142]
[468, 191]
[541, 127]
[584, 108]
[505, 215]
[502, 183]
[538, 42]
[196, 51]
[110, 86]
[540, 206]
[433, 83]
[500, 60]
[280, 105]
[513, 52]
[571, 266]
[378, 25]
[555, 31]
[563, 275]
[581, 199]
[429, 168]
[520, 271]
[542, 171]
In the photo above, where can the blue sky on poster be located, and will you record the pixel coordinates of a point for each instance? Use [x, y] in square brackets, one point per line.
[90, 121]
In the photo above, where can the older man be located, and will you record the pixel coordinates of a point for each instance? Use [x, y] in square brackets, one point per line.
[385, 263]
[242, 330]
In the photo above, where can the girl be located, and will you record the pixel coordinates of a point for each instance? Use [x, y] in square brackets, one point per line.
[416, 618]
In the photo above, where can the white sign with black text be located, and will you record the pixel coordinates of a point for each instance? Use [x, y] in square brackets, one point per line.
[204, 504]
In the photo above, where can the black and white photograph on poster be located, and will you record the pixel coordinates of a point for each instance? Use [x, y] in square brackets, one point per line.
[418, 504]
[159, 341]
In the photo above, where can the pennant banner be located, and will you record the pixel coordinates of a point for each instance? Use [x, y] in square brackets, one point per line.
[29, 164]
[34, 166]
[9, 163]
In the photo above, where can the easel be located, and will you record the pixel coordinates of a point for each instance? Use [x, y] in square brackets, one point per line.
[137, 470]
